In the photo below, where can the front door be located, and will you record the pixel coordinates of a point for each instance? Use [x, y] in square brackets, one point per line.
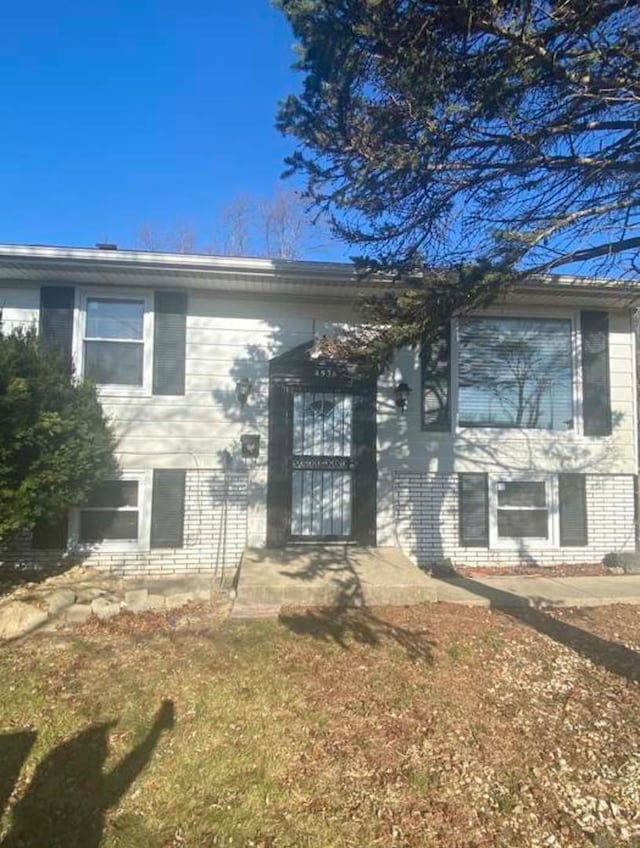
[322, 460]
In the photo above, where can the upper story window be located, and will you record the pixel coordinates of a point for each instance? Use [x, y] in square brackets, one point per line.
[114, 341]
[515, 372]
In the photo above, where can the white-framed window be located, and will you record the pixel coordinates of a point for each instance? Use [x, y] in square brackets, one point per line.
[516, 372]
[115, 515]
[523, 511]
[115, 344]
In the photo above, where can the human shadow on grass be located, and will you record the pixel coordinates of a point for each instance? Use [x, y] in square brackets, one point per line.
[70, 794]
[14, 750]
[613, 656]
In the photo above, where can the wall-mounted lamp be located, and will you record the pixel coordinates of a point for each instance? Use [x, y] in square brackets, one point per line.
[250, 445]
[244, 387]
[401, 394]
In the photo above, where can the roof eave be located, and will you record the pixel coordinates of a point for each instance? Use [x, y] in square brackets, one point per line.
[40, 263]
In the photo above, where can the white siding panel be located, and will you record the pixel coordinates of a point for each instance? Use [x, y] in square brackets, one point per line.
[275, 311]
[219, 367]
[217, 426]
[217, 338]
[193, 399]
[229, 323]
[208, 382]
[204, 451]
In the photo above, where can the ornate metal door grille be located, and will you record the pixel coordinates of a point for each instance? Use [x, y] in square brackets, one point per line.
[321, 464]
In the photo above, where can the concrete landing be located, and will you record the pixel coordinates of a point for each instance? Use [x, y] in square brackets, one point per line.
[345, 575]
[327, 575]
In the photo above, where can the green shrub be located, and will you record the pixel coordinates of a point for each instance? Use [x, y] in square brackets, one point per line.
[55, 443]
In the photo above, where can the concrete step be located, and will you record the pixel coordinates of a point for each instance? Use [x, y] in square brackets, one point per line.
[330, 576]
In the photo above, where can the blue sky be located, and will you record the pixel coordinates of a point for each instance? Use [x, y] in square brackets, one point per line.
[126, 113]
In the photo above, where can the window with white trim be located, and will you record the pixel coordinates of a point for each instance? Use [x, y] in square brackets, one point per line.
[522, 509]
[112, 513]
[515, 372]
[114, 341]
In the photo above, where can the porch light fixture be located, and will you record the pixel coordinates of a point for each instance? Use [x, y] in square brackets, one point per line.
[244, 387]
[401, 394]
[250, 445]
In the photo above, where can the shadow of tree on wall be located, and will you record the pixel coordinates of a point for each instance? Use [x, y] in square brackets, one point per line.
[69, 795]
[613, 656]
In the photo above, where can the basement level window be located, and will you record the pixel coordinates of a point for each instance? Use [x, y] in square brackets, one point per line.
[111, 513]
[523, 510]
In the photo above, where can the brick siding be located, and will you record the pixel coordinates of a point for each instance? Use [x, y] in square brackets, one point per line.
[426, 521]
[215, 534]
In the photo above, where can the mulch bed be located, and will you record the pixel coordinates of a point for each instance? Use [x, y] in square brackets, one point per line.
[596, 569]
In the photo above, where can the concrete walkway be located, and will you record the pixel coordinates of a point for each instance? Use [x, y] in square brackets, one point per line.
[539, 591]
[341, 575]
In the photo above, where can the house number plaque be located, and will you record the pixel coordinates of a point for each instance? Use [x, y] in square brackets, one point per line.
[326, 371]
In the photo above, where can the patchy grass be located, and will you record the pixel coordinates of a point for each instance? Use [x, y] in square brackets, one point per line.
[425, 726]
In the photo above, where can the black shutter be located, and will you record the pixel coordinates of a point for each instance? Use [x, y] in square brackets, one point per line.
[473, 501]
[436, 382]
[596, 404]
[49, 535]
[573, 510]
[167, 508]
[169, 343]
[56, 320]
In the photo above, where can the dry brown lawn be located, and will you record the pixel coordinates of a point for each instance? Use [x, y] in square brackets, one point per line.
[425, 726]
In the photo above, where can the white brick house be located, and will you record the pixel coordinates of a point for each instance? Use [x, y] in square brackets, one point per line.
[518, 443]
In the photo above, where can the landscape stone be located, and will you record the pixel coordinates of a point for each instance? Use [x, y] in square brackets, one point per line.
[87, 594]
[136, 600]
[18, 618]
[104, 608]
[77, 614]
[629, 561]
[59, 600]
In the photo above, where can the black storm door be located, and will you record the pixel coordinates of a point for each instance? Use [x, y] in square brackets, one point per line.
[322, 464]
